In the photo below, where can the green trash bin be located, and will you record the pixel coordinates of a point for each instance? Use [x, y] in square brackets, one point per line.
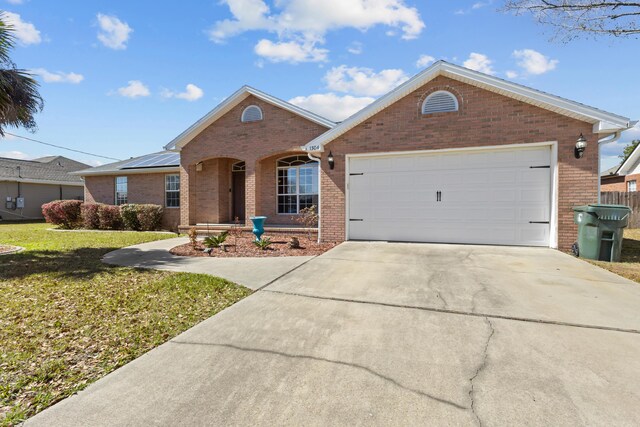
[600, 230]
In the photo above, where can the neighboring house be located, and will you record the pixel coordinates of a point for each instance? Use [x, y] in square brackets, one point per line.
[452, 155]
[25, 185]
[624, 177]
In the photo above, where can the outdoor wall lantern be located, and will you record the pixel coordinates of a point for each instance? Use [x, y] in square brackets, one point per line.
[581, 145]
[199, 167]
[331, 160]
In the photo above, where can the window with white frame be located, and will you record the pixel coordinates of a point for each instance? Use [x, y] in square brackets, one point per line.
[172, 191]
[631, 186]
[297, 185]
[121, 190]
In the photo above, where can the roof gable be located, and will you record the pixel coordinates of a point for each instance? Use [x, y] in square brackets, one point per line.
[603, 122]
[631, 163]
[228, 104]
[55, 171]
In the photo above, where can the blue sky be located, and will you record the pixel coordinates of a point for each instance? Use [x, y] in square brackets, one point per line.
[123, 78]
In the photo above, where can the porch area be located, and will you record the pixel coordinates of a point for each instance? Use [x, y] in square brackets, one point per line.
[221, 193]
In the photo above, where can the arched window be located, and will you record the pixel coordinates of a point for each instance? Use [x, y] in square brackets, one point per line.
[297, 184]
[252, 113]
[441, 101]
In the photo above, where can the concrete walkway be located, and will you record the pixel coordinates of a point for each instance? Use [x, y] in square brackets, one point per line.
[395, 334]
[250, 272]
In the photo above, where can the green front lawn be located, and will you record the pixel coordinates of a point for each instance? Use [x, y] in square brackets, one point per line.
[629, 265]
[67, 319]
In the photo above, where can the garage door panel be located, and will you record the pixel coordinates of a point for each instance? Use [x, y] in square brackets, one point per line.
[488, 197]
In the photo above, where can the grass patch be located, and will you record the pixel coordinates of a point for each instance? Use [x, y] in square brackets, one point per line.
[67, 319]
[629, 265]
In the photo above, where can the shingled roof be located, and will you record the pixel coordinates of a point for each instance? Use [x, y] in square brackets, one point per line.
[46, 170]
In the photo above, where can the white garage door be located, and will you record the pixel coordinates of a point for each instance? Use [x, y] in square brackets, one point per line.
[483, 197]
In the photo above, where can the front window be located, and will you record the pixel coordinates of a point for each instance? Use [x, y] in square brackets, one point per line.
[121, 190]
[172, 191]
[297, 184]
[631, 186]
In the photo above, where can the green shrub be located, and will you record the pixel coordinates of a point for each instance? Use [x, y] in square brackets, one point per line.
[263, 243]
[149, 217]
[64, 213]
[216, 241]
[110, 217]
[89, 214]
[130, 217]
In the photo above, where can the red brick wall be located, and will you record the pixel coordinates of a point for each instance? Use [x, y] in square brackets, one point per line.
[258, 144]
[614, 183]
[619, 183]
[141, 188]
[485, 118]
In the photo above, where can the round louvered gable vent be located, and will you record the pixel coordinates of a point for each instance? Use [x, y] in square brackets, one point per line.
[252, 113]
[440, 102]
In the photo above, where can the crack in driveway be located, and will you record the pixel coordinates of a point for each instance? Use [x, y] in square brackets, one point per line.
[460, 312]
[325, 360]
[482, 365]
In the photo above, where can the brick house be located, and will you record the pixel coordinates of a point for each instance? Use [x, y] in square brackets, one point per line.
[625, 177]
[452, 155]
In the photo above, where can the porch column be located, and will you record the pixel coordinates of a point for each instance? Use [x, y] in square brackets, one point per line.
[252, 186]
[187, 195]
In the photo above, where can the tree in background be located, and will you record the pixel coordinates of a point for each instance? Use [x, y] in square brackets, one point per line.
[573, 18]
[19, 96]
[629, 149]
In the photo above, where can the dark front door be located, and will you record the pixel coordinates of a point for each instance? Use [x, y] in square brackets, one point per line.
[237, 192]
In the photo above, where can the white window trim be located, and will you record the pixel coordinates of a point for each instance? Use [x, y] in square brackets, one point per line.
[115, 195]
[297, 193]
[431, 95]
[252, 121]
[171, 191]
[635, 186]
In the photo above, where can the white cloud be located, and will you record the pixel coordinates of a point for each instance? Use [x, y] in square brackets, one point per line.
[332, 106]
[479, 62]
[424, 61]
[355, 48]
[291, 51]
[191, 93]
[15, 154]
[511, 74]
[475, 6]
[58, 77]
[534, 62]
[363, 81]
[25, 32]
[313, 17]
[135, 89]
[15, 1]
[113, 33]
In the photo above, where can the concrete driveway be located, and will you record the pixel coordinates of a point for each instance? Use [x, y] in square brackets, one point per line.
[384, 333]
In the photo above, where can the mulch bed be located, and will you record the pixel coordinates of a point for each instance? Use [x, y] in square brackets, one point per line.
[244, 247]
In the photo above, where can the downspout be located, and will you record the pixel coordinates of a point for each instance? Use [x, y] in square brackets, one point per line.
[317, 159]
[606, 140]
